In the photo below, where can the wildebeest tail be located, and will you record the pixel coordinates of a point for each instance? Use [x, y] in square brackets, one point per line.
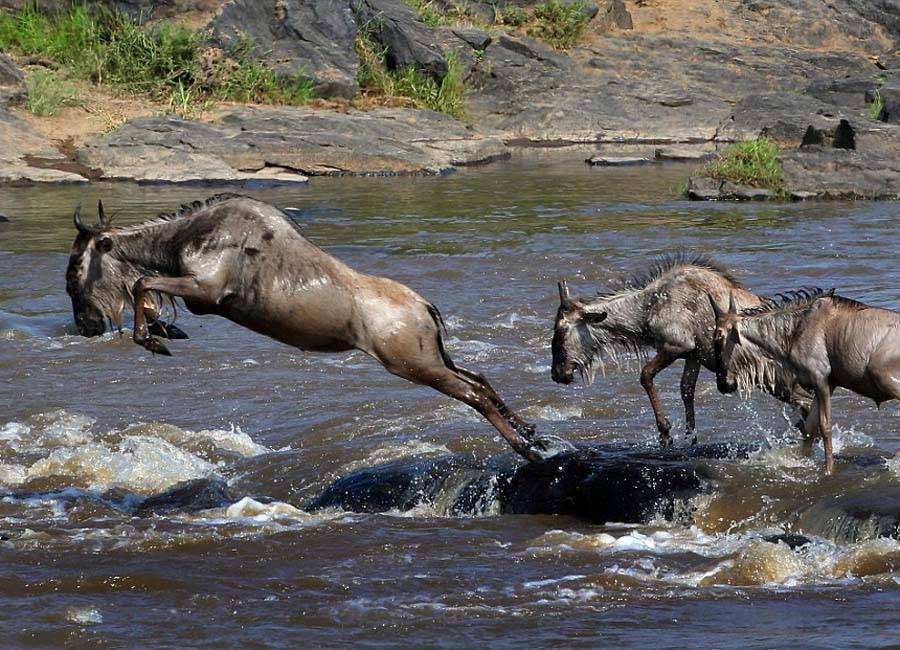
[441, 333]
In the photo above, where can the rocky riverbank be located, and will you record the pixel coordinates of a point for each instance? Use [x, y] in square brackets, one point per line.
[824, 84]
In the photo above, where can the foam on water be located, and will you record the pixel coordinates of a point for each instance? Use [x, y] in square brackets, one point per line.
[691, 558]
[139, 464]
[142, 458]
[550, 413]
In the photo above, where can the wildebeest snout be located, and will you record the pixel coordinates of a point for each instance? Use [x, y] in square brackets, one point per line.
[562, 373]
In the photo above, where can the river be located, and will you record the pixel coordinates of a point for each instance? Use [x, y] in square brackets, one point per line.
[90, 427]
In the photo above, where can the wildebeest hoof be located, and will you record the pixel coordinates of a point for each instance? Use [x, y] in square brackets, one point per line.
[166, 330]
[547, 446]
[665, 440]
[155, 346]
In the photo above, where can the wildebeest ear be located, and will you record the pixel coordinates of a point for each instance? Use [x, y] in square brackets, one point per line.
[715, 307]
[735, 334]
[594, 317]
[104, 245]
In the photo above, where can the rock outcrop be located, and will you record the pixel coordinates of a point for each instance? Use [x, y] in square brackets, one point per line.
[406, 39]
[311, 39]
[245, 144]
[833, 145]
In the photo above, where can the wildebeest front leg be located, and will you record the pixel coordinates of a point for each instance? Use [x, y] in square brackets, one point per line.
[688, 388]
[823, 400]
[660, 362]
[183, 287]
[810, 428]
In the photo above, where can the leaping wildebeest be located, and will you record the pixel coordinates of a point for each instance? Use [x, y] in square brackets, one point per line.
[667, 310]
[824, 340]
[236, 257]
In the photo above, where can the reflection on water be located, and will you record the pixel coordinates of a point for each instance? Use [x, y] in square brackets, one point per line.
[92, 429]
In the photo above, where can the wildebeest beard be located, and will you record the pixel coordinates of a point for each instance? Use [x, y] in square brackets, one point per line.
[597, 342]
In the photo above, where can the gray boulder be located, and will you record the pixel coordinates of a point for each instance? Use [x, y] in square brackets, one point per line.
[890, 96]
[611, 14]
[12, 81]
[311, 39]
[408, 41]
[842, 174]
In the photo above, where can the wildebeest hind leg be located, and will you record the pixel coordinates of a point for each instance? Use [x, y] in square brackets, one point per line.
[481, 382]
[823, 400]
[183, 287]
[688, 389]
[483, 399]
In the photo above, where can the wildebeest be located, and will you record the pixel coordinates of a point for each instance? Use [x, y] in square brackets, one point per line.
[825, 340]
[236, 257]
[667, 310]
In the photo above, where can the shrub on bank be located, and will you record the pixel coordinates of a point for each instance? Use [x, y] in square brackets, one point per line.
[753, 163]
[171, 64]
[559, 24]
[417, 88]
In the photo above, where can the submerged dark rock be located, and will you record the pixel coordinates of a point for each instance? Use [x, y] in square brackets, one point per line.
[593, 484]
[190, 496]
[793, 540]
[858, 515]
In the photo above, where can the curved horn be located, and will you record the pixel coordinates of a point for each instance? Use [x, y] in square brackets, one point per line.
[564, 297]
[84, 230]
[732, 308]
[100, 211]
[715, 307]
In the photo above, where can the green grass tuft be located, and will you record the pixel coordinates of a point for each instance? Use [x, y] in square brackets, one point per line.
[513, 16]
[558, 23]
[168, 64]
[877, 106]
[48, 91]
[410, 84]
[753, 163]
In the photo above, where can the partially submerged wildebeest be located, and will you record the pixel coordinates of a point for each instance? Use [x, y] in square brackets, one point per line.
[666, 310]
[824, 340]
[236, 257]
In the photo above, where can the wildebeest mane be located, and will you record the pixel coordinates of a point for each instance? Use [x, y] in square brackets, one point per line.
[673, 261]
[799, 298]
[186, 211]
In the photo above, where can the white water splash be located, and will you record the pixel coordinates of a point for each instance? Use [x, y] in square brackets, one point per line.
[84, 615]
[139, 464]
[142, 458]
[746, 559]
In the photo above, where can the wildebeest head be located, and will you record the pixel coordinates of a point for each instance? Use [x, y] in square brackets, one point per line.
[726, 337]
[572, 344]
[86, 283]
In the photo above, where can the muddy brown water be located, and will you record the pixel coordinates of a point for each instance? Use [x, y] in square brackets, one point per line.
[89, 427]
